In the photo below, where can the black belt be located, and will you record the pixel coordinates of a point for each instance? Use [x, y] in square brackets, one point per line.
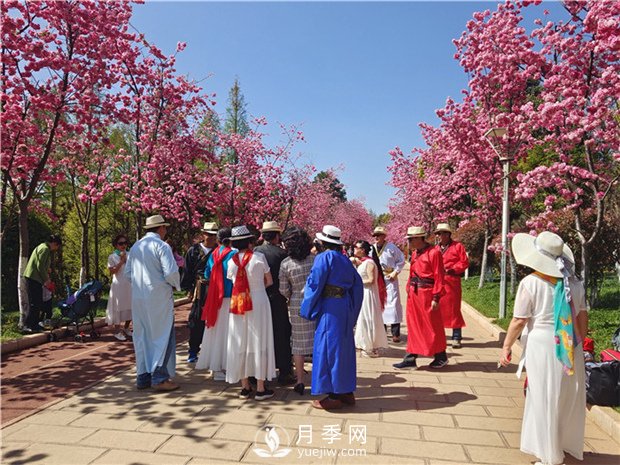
[422, 283]
[333, 291]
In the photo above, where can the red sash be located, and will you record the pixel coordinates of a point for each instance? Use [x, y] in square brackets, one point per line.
[215, 294]
[241, 300]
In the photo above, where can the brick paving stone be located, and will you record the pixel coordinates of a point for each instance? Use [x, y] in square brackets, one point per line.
[224, 415]
[43, 433]
[53, 417]
[451, 408]
[109, 421]
[418, 418]
[371, 459]
[423, 449]
[180, 426]
[54, 454]
[462, 436]
[488, 423]
[481, 400]
[131, 457]
[200, 447]
[604, 446]
[386, 429]
[506, 412]
[246, 433]
[297, 455]
[497, 456]
[501, 392]
[130, 440]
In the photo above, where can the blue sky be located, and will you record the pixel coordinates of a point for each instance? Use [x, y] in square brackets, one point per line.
[358, 77]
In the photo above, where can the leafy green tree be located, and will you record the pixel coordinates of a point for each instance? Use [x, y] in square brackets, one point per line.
[336, 187]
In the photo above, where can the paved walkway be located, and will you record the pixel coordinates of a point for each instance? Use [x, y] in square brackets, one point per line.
[465, 413]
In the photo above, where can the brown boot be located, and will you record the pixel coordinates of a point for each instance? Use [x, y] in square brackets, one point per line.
[327, 404]
[167, 385]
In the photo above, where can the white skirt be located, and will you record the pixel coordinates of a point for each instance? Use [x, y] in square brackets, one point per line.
[212, 355]
[119, 302]
[555, 405]
[250, 349]
[369, 331]
[393, 312]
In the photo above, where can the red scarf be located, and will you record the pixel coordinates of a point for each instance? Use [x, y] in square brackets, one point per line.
[215, 293]
[241, 300]
[380, 283]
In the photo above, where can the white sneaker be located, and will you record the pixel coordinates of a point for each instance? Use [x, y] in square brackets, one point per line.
[128, 332]
[219, 376]
[120, 336]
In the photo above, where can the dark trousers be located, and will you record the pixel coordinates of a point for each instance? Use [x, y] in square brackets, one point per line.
[161, 372]
[438, 356]
[281, 334]
[35, 300]
[457, 334]
[394, 328]
[195, 323]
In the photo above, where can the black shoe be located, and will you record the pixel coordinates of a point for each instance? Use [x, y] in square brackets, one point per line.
[405, 364]
[299, 388]
[245, 393]
[266, 394]
[438, 363]
[287, 380]
[141, 387]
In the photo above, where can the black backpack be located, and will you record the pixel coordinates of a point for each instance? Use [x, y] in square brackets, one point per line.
[603, 383]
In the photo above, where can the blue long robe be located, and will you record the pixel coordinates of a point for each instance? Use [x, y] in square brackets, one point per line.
[333, 358]
[153, 273]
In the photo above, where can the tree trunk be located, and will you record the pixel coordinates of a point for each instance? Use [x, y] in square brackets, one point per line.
[96, 234]
[85, 265]
[513, 273]
[24, 250]
[483, 264]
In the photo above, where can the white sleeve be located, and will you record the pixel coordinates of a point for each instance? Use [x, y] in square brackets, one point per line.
[524, 302]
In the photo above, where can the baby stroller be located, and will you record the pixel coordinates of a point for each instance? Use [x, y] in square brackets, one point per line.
[78, 307]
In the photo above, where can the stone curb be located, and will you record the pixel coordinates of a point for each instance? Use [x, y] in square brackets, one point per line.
[605, 418]
[33, 340]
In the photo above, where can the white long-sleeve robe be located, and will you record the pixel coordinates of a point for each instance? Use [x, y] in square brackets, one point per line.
[153, 273]
[391, 258]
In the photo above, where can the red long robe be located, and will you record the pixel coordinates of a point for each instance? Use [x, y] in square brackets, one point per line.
[455, 262]
[426, 335]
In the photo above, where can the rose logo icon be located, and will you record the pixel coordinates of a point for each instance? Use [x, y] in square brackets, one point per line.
[271, 438]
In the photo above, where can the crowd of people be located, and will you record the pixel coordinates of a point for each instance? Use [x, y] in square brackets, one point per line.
[259, 311]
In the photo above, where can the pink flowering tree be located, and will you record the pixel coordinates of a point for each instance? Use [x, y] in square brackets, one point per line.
[58, 63]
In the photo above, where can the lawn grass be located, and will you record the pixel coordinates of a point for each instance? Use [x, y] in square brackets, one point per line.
[10, 319]
[604, 317]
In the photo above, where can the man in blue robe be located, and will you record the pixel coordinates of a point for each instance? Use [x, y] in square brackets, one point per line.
[333, 297]
[153, 273]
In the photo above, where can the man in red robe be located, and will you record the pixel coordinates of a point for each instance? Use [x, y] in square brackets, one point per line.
[455, 262]
[424, 290]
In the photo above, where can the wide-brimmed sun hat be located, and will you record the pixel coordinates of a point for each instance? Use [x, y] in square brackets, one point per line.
[210, 228]
[379, 231]
[443, 227]
[271, 226]
[155, 221]
[330, 234]
[415, 231]
[240, 232]
[541, 252]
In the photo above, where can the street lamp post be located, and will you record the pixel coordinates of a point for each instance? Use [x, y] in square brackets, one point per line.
[493, 136]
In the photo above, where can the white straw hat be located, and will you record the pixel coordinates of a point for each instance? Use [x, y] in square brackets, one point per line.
[210, 228]
[379, 230]
[443, 227]
[540, 253]
[415, 231]
[271, 226]
[155, 221]
[330, 234]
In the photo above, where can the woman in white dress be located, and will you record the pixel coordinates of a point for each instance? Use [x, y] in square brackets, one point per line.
[250, 350]
[370, 333]
[119, 301]
[551, 303]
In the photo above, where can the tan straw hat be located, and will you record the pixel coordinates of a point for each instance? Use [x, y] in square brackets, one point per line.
[210, 228]
[330, 234]
[155, 221]
[415, 231]
[441, 227]
[540, 253]
[379, 230]
[271, 226]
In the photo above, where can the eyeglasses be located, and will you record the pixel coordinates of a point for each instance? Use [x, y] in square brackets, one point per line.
[122, 243]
